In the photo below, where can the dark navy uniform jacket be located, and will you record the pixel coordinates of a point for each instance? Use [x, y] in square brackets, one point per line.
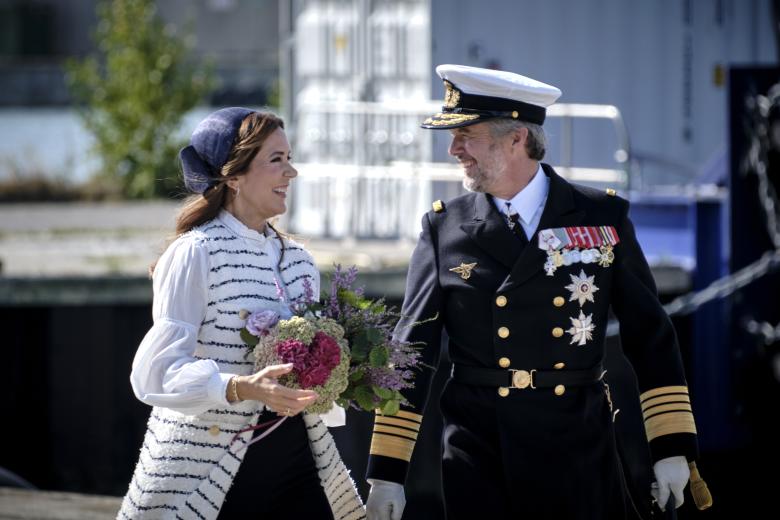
[557, 449]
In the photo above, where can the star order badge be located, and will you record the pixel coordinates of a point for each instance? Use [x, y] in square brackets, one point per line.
[582, 329]
[464, 270]
[582, 288]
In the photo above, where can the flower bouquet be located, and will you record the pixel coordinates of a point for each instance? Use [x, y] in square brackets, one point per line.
[342, 348]
[315, 346]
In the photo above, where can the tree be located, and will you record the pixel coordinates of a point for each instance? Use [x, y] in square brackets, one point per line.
[133, 93]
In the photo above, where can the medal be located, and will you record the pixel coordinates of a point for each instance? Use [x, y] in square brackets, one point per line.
[607, 256]
[581, 329]
[572, 245]
[582, 288]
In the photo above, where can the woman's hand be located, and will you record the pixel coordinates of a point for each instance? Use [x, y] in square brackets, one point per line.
[262, 386]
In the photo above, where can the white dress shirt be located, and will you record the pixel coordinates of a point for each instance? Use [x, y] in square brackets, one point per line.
[529, 202]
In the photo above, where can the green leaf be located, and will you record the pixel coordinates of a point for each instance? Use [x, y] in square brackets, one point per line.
[379, 356]
[378, 308]
[348, 393]
[374, 336]
[365, 398]
[248, 338]
[382, 393]
[360, 346]
[357, 375]
[391, 407]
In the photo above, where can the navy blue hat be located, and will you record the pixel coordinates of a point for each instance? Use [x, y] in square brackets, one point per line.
[473, 95]
[209, 148]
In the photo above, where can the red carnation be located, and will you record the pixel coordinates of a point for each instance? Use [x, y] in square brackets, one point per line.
[326, 351]
[295, 352]
[314, 376]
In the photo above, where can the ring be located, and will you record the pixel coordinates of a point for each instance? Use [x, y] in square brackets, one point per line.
[287, 412]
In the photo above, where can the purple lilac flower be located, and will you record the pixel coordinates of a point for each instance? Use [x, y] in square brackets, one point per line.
[308, 290]
[387, 378]
[260, 323]
[279, 290]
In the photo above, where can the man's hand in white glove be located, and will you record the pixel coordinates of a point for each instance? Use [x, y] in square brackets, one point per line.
[671, 475]
[386, 500]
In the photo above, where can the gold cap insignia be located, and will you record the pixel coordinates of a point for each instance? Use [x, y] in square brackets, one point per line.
[611, 192]
[449, 118]
[451, 95]
[464, 270]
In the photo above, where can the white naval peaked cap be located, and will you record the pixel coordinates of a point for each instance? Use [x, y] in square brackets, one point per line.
[473, 95]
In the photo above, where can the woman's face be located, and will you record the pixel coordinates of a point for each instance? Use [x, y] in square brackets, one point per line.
[263, 189]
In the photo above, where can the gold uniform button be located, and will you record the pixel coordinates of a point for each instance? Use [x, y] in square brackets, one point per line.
[557, 332]
[558, 301]
[503, 332]
[559, 366]
[503, 391]
[560, 389]
[501, 301]
[504, 362]
[214, 430]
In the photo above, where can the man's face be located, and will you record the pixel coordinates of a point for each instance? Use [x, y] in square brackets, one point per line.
[481, 156]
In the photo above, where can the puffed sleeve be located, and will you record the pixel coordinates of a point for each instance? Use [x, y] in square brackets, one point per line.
[165, 372]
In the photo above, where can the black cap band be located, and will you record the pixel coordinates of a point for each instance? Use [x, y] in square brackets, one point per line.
[498, 107]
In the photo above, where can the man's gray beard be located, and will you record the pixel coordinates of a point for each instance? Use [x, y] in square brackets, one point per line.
[477, 185]
[472, 185]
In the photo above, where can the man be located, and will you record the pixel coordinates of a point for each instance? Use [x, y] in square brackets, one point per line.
[521, 273]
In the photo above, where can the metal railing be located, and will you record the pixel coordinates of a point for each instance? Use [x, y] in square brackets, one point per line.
[366, 169]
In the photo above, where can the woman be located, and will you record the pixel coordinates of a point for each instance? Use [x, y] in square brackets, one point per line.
[196, 460]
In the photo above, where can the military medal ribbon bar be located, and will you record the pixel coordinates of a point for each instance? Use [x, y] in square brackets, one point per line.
[586, 244]
[590, 237]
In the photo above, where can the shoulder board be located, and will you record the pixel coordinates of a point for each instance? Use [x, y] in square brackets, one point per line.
[611, 192]
[438, 206]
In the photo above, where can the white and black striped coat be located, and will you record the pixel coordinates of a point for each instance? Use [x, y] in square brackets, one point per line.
[187, 462]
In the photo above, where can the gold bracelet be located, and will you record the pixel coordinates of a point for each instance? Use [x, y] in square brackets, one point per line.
[233, 392]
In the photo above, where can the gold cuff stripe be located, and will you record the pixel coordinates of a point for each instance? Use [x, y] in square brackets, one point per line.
[672, 398]
[662, 390]
[663, 408]
[395, 431]
[669, 423]
[388, 446]
[403, 414]
[392, 421]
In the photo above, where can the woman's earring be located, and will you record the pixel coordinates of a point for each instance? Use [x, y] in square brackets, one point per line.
[238, 190]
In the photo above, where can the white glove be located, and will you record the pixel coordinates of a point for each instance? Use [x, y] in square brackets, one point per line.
[671, 475]
[386, 500]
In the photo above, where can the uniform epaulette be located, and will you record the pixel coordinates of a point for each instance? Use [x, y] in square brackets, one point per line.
[611, 192]
[438, 206]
